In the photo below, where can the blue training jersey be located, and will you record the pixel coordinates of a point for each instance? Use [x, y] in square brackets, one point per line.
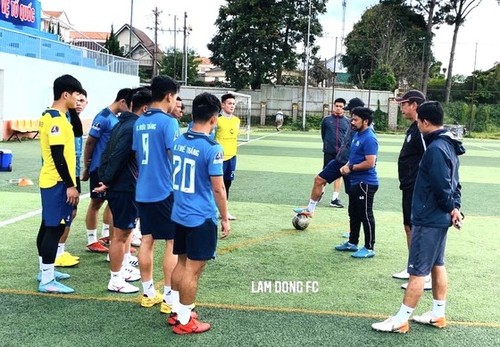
[154, 135]
[196, 158]
[363, 143]
[101, 128]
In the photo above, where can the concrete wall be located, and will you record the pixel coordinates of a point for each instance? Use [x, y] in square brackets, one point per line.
[272, 98]
[26, 88]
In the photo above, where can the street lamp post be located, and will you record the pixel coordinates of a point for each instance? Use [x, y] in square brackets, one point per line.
[306, 67]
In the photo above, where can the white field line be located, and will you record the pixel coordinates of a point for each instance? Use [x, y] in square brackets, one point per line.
[31, 214]
[258, 138]
[480, 147]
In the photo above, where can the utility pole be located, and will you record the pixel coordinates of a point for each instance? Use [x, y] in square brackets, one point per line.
[185, 53]
[156, 13]
[344, 7]
[334, 77]
[129, 53]
[175, 47]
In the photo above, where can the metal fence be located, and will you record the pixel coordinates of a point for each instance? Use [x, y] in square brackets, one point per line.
[36, 47]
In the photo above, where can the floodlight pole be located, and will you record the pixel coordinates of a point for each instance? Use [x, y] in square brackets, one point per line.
[306, 67]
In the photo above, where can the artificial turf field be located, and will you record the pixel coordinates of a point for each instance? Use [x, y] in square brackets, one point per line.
[274, 174]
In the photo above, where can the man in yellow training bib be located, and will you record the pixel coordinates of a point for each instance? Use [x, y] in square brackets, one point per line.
[226, 134]
[57, 181]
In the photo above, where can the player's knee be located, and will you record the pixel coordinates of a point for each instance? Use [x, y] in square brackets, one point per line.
[95, 204]
[319, 181]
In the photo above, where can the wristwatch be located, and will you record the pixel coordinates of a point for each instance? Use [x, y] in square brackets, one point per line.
[351, 167]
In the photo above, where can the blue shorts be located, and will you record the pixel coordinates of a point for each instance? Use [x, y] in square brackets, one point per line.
[328, 157]
[426, 249]
[198, 243]
[123, 208]
[155, 218]
[228, 168]
[55, 209]
[331, 171]
[94, 182]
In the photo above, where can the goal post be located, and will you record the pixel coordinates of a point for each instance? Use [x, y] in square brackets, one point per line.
[243, 110]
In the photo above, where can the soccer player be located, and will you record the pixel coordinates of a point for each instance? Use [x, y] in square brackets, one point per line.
[364, 183]
[226, 133]
[409, 157]
[331, 172]
[96, 142]
[178, 110]
[63, 258]
[198, 192]
[333, 130]
[118, 174]
[57, 181]
[279, 120]
[154, 135]
[435, 207]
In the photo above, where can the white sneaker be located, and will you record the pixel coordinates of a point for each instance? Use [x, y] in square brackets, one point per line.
[136, 241]
[428, 318]
[133, 261]
[427, 283]
[230, 216]
[107, 258]
[131, 274]
[391, 326]
[403, 275]
[120, 286]
[136, 236]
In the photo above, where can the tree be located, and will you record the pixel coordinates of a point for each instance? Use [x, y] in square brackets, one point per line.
[256, 40]
[456, 12]
[171, 65]
[388, 34]
[319, 72]
[113, 45]
[484, 86]
[382, 79]
[429, 9]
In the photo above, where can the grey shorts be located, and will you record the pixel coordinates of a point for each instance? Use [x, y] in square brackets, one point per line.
[426, 249]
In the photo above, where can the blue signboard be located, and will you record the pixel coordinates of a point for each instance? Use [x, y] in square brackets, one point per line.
[21, 12]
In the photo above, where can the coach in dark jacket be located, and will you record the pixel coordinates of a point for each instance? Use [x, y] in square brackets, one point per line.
[409, 158]
[118, 173]
[438, 191]
[435, 207]
[333, 131]
[118, 168]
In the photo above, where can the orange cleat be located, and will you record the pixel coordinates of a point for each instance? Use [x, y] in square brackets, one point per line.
[172, 319]
[192, 327]
[97, 247]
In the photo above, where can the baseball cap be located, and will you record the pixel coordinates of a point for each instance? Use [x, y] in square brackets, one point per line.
[412, 95]
[354, 102]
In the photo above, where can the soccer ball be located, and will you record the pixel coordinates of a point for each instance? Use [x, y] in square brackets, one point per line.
[300, 222]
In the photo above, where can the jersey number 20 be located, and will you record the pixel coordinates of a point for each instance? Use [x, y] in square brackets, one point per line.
[183, 177]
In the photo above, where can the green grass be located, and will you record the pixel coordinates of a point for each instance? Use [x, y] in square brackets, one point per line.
[274, 175]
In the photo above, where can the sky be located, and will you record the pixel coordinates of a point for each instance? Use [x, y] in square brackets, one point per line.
[478, 43]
